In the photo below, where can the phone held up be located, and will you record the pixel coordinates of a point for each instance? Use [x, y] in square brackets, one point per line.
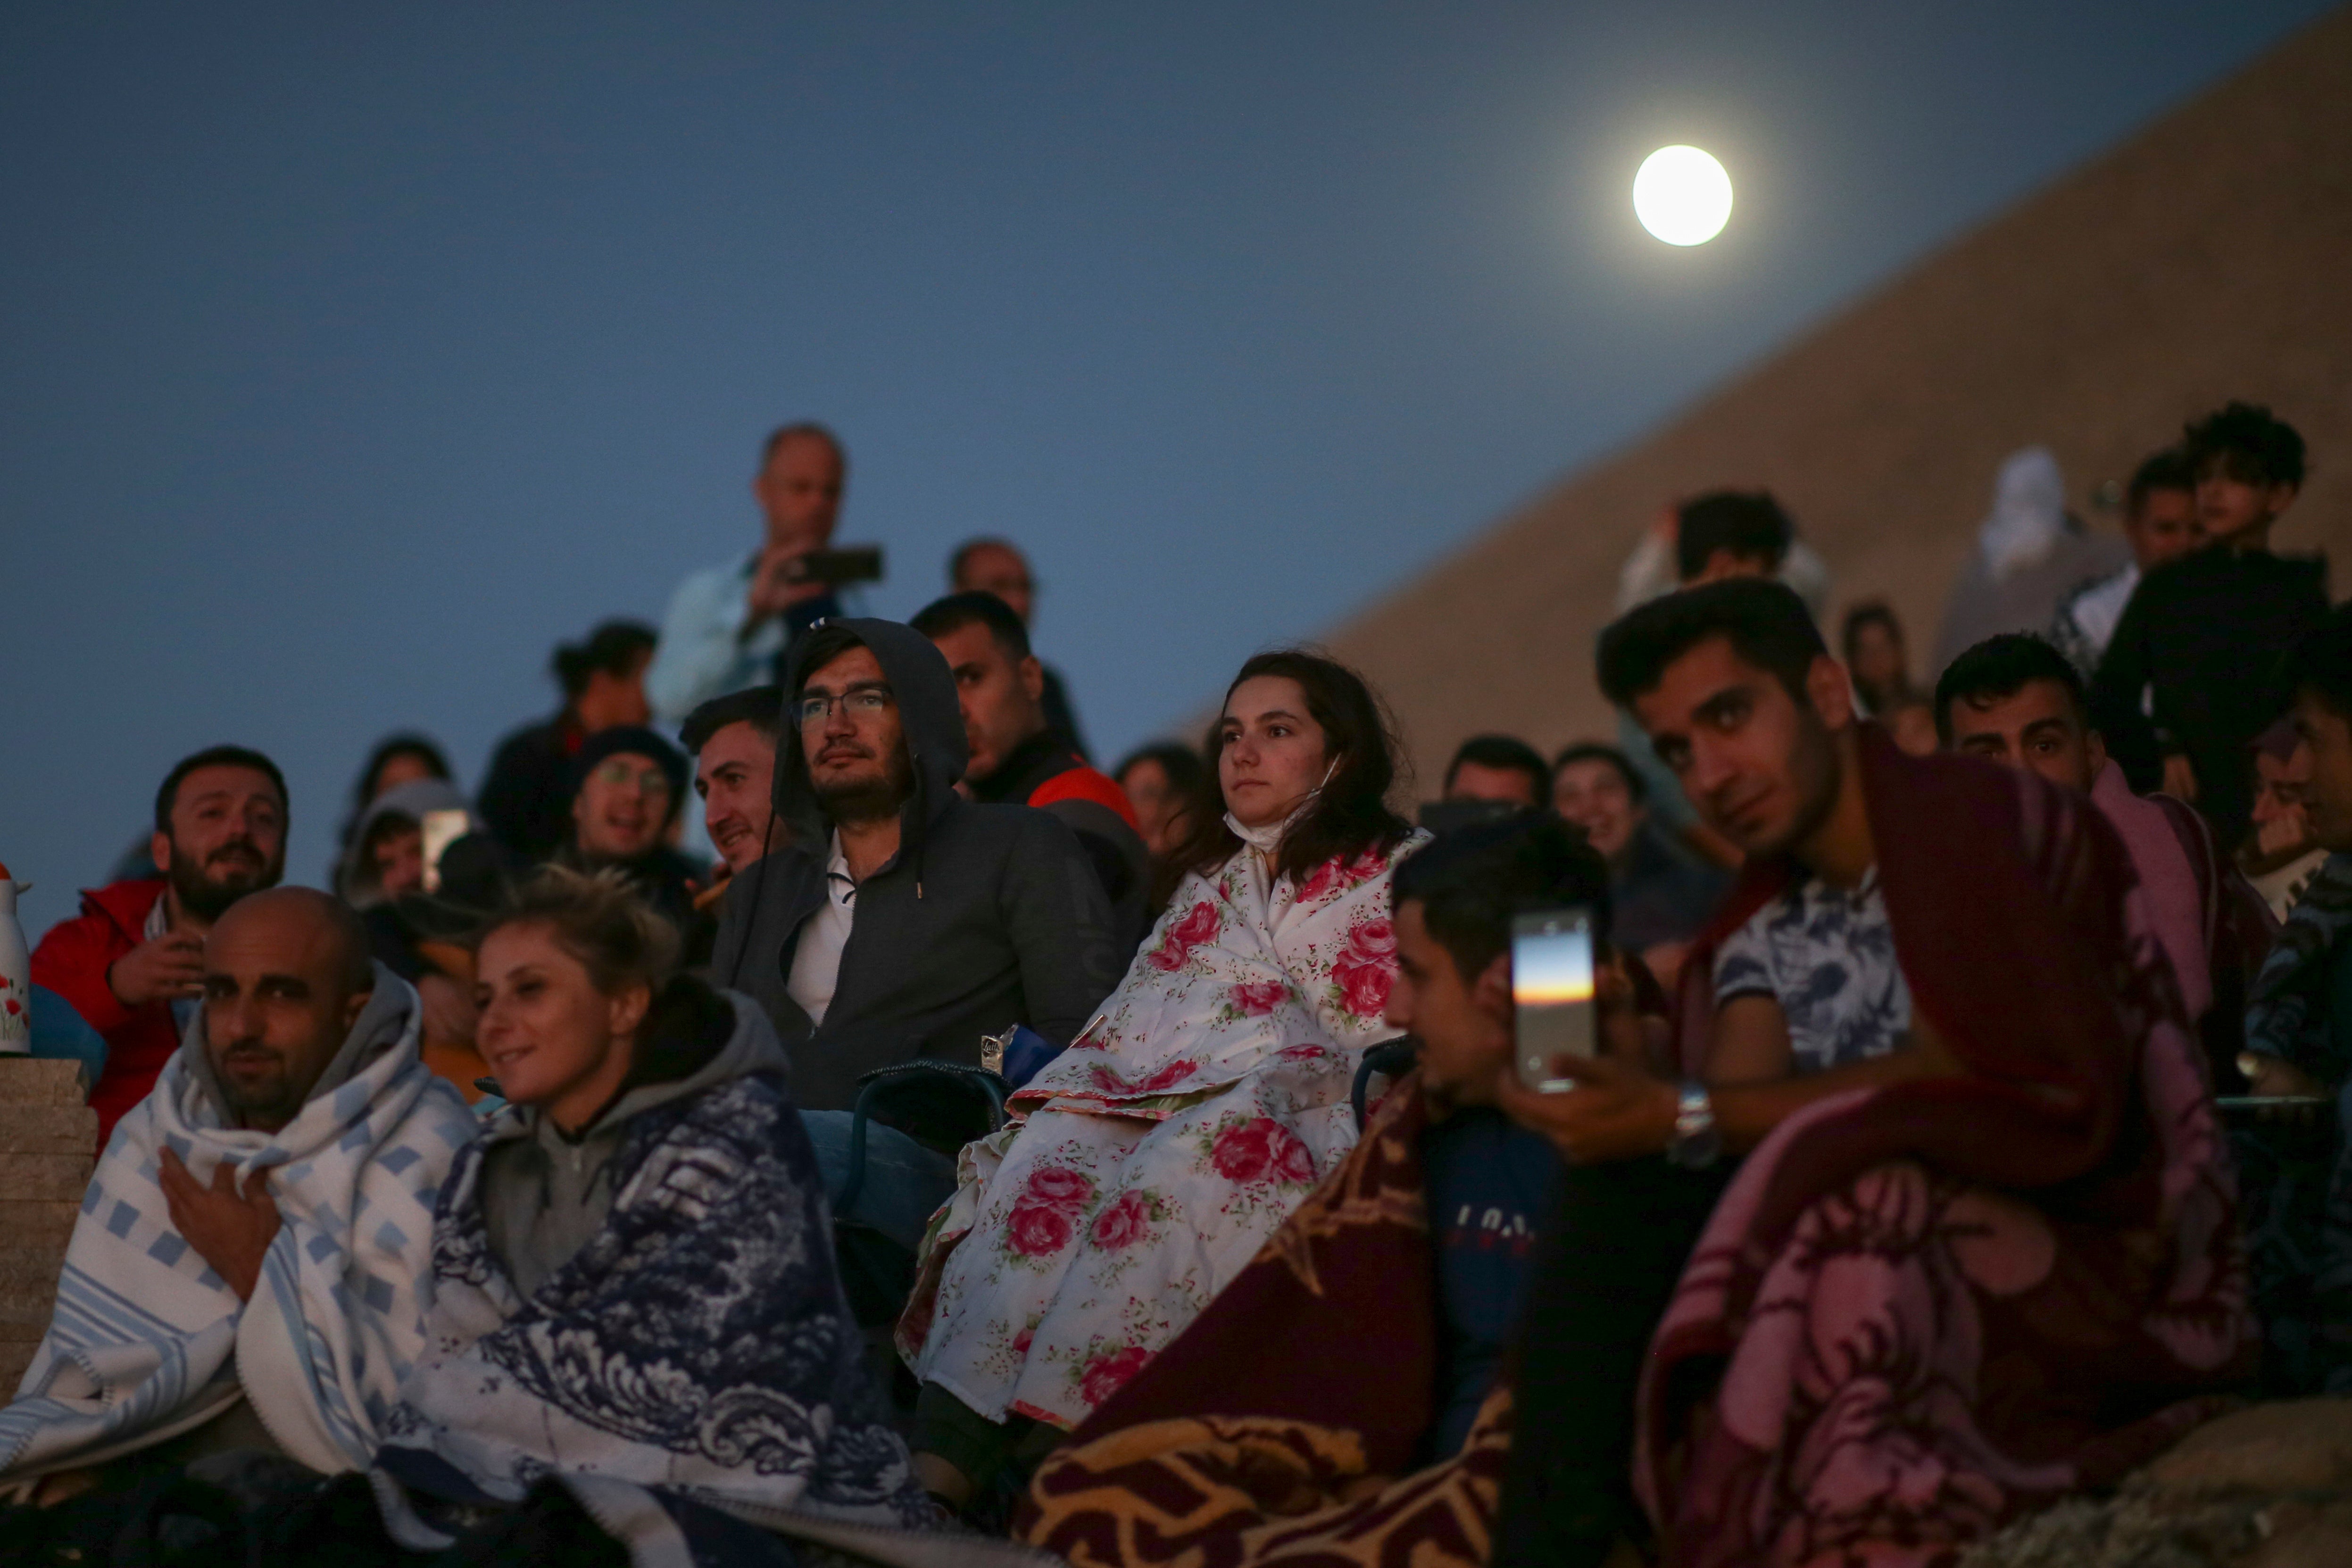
[1551, 993]
[839, 567]
[439, 831]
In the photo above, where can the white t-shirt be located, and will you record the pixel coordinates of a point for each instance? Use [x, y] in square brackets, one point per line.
[817, 961]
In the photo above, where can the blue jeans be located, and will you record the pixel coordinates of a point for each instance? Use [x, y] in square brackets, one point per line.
[904, 1182]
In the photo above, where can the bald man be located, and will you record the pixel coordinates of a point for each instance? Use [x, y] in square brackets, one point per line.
[250, 1266]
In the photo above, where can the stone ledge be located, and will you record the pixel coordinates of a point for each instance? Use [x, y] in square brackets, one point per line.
[48, 1130]
[44, 1177]
[33, 1222]
[40, 1081]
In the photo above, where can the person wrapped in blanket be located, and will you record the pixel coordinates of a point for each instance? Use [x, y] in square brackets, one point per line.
[1343, 1400]
[248, 1271]
[2299, 1033]
[636, 1310]
[1981, 1251]
[1207, 1097]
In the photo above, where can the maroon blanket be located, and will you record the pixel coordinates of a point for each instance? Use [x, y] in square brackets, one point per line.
[1319, 1364]
[1921, 1309]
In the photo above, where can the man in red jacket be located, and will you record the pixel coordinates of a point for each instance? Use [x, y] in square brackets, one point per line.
[1017, 757]
[132, 962]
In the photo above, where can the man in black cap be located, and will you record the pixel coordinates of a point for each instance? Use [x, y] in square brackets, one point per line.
[627, 784]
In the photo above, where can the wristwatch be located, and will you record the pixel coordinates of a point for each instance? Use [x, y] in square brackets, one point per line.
[1697, 1142]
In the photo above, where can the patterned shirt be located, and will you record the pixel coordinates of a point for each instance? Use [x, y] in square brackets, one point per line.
[1827, 955]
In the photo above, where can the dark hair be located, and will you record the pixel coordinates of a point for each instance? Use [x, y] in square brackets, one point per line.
[2000, 667]
[2250, 444]
[825, 642]
[945, 616]
[2321, 662]
[961, 557]
[1182, 764]
[216, 757]
[1768, 625]
[1503, 752]
[761, 707]
[1598, 751]
[1869, 612]
[405, 743]
[2169, 469]
[1748, 523]
[1349, 817]
[1470, 883]
[807, 429]
[616, 647]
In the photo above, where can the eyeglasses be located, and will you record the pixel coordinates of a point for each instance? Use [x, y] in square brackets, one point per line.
[618, 774]
[858, 704]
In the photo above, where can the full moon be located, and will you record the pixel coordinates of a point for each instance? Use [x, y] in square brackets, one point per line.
[1682, 196]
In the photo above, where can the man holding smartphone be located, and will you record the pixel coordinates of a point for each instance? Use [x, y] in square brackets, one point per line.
[1946, 1041]
[726, 624]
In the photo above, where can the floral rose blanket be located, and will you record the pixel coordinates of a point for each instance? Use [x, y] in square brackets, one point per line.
[1150, 1160]
[1919, 1311]
[1282, 1427]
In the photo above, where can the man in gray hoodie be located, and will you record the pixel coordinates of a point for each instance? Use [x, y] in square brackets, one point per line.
[902, 921]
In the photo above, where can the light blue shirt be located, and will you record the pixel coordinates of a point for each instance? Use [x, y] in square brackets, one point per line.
[704, 651]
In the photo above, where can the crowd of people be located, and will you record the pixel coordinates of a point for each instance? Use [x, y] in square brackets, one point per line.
[975, 1156]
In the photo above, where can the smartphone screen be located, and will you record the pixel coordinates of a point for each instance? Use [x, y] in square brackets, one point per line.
[439, 831]
[1551, 991]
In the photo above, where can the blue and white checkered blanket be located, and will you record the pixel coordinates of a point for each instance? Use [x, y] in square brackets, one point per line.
[147, 1341]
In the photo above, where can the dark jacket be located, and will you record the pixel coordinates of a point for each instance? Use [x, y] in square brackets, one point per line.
[2206, 631]
[1044, 772]
[526, 796]
[988, 915]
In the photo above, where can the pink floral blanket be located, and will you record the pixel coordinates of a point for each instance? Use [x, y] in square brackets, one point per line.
[1920, 1310]
[1151, 1160]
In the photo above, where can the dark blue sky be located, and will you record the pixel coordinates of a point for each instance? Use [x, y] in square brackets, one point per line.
[355, 358]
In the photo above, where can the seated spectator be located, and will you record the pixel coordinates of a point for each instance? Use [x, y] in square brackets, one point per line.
[732, 740]
[2015, 700]
[384, 857]
[995, 566]
[633, 1273]
[1210, 1093]
[1719, 534]
[2031, 553]
[526, 794]
[1937, 1026]
[1660, 896]
[1499, 768]
[1876, 657]
[628, 785]
[404, 758]
[248, 1270]
[2281, 855]
[1162, 781]
[728, 626]
[1355, 1362]
[2188, 681]
[2159, 524]
[1016, 758]
[901, 922]
[132, 962]
[382, 876]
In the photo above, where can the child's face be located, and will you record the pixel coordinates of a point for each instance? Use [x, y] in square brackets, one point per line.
[2230, 502]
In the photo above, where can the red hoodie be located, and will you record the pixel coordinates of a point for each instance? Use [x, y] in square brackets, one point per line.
[72, 961]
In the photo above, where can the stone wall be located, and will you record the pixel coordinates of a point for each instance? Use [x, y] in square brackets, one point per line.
[46, 1134]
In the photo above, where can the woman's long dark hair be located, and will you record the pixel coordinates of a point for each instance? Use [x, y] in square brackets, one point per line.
[1351, 815]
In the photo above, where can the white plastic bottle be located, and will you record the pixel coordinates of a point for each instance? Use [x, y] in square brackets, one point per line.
[16, 973]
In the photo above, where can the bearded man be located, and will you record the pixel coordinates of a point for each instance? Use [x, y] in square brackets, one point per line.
[131, 963]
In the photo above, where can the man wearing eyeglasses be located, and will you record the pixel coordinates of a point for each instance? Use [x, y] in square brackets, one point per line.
[627, 786]
[902, 921]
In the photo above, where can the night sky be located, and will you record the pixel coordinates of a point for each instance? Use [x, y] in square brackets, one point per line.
[354, 358]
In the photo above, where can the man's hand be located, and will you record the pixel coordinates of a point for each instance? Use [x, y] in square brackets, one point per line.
[1614, 1113]
[169, 966]
[230, 1230]
[776, 583]
[2179, 778]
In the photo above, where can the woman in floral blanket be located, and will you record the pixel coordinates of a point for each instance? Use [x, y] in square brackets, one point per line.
[1148, 1163]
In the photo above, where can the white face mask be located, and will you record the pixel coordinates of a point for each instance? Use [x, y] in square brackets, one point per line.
[1267, 838]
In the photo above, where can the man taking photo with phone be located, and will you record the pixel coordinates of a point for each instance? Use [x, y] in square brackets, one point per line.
[727, 624]
[1961, 1074]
